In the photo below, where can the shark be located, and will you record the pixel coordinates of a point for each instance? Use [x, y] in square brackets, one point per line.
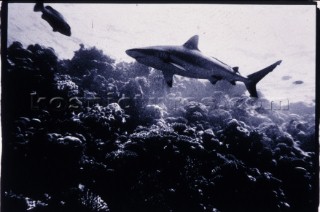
[188, 61]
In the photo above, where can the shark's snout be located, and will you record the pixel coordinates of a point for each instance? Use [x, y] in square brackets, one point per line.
[135, 53]
[129, 52]
[139, 53]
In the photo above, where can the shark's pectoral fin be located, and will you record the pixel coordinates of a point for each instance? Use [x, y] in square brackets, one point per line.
[168, 78]
[215, 79]
[232, 82]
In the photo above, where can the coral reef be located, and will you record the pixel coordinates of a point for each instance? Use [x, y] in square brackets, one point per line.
[106, 136]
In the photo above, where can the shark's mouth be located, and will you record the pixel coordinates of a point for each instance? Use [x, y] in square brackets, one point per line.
[139, 57]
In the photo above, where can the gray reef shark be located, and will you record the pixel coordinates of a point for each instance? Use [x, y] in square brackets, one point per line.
[188, 61]
[54, 18]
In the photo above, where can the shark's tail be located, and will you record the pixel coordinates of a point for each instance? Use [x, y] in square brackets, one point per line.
[38, 7]
[254, 78]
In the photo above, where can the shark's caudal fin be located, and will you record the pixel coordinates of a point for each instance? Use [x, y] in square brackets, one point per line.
[38, 7]
[254, 78]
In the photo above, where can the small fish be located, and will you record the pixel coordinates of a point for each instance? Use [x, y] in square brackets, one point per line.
[298, 82]
[54, 18]
[286, 77]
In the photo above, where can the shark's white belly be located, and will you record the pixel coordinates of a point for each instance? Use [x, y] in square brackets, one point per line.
[189, 70]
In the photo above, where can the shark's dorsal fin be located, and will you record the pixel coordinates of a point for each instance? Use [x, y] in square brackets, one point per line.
[192, 43]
